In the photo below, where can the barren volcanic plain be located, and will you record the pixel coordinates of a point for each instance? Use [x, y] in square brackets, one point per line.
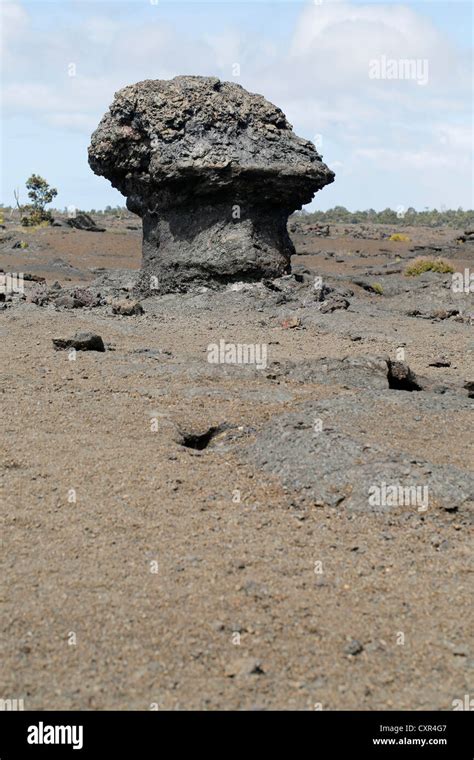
[179, 533]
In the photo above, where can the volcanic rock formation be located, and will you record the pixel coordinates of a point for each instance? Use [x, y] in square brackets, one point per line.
[214, 171]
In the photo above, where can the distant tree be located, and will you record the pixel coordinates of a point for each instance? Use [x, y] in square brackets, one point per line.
[40, 194]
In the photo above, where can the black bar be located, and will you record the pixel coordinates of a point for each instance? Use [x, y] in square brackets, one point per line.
[315, 734]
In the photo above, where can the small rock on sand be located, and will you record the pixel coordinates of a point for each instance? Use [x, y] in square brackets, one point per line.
[244, 666]
[353, 648]
[81, 341]
[127, 308]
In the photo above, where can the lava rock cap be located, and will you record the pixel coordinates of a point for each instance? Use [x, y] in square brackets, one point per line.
[165, 141]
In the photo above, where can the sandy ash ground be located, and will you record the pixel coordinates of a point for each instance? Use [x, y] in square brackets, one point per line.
[245, 574]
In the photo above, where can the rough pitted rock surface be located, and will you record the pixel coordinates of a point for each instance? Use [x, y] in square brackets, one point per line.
[84, 222]
[81, 341]
[214, 171]
[321, 452]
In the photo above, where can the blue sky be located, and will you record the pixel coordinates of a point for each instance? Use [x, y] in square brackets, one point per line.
[395, 142]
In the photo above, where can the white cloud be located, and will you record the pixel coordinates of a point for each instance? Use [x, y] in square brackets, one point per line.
[14, 19]
[319, 77]
[371, 27]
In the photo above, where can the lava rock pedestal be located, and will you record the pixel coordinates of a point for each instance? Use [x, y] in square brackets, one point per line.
[214, 171]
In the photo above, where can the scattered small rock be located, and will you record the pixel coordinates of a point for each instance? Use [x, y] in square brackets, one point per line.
[73, 299]
[291, 323]
[81, 341]
[469, 386]
[334, 302]
[401, 377]
[444, 313]
[127, 308]
[84, 222]
[33, 277]
[353, 648]
[39, 296]
[244, 666]
[67, 301]
[440, 361]
[461, 651]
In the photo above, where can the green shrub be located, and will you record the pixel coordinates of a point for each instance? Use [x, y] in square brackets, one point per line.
[421, 264]
[397, 237]
[40, 193]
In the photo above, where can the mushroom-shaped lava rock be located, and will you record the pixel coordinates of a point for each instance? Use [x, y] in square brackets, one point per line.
[214, 171]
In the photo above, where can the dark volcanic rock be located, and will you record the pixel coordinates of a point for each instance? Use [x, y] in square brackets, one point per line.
[401, 377]
[33, 278]
[368, 372]
[334, 302]
[84, 222]
[39, 295]
[127, 308]
[440, 361]
[81, 341]
[77, 298]
[66, 301]
[350, 372]
[322, 452]
[353, 648]
[214, 171]
[469, 386]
